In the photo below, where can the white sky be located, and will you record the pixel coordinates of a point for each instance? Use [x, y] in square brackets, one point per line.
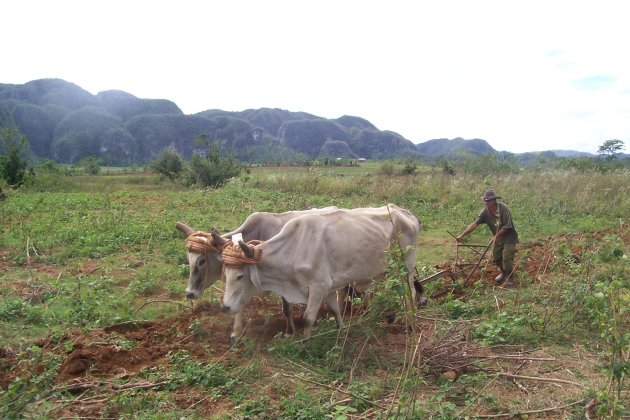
[525, 76]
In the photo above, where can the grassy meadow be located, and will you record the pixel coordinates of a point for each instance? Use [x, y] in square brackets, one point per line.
[94, 322]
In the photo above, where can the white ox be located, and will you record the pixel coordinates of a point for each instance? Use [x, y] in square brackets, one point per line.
[206, 262]
[317, 254]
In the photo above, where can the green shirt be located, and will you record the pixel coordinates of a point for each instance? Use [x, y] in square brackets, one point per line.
[503, 219]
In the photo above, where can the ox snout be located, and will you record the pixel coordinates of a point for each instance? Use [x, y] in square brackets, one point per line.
[225, 308]
[192, 294]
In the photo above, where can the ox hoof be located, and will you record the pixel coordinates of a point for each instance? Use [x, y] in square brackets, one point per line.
[288, 335]
[234, 341]
[390, 317]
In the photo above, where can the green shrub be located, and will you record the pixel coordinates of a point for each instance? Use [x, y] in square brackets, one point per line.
[387, 168]
[212, 169]
[13, 149]
[168, 164]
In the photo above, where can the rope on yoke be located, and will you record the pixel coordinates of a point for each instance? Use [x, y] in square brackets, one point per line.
[201, 243]
[233, 255]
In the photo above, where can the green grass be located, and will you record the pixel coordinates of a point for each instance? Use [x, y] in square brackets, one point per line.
[80, 253]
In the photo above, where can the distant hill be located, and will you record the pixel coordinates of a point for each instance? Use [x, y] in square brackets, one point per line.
[66, 123]
[446, 147]
[571, 153]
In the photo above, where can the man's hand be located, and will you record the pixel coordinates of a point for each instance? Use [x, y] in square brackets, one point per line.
[458, 238]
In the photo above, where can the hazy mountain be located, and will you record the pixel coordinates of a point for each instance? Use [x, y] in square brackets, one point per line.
[571, 153]
[446, 147]
[64, 122]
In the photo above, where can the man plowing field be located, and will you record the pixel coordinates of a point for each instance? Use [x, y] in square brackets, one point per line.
[498, 218]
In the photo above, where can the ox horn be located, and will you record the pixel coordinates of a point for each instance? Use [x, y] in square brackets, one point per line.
[218, 240]
[183, 227]
[247, 250]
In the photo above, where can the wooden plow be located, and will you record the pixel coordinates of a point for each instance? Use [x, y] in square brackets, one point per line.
[460, 266]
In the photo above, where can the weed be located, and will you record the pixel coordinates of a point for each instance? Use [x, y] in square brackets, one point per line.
[145, 284]
[341, 412]
[198, 330]
[29, 387]
[438, 406]
[174, 289]
[124, 343]
[187, 372]
[304, 405]
[610, 310]
[611, 249]
[457, 308]
[141, 404]
[503, 328]
[15, 308]
[362, 393]
[254, 408]
[393, 294]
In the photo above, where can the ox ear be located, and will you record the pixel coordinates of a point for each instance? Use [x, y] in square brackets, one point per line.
[253, 275]
[183, 227]
[218, 240]
[247, 250]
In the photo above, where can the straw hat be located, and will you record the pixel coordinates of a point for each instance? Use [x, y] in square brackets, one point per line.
[490, 195]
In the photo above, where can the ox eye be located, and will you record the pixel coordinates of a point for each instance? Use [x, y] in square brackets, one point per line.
[201, 262]
[239, 277]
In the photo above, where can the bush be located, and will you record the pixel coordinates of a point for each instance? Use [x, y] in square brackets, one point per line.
[91, 165]
[410, 168]
[387, 168]
[13, 163]
[168, 164]
[212, 169]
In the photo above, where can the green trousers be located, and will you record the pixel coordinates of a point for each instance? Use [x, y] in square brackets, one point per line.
[503, 256]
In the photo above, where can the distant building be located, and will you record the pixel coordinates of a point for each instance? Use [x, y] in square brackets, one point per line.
[361, 159]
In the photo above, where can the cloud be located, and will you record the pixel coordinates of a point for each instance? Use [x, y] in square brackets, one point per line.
[523, 76]
[594, 82]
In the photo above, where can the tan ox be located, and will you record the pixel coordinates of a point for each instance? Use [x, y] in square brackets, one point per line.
[315, 255]
[206, 262]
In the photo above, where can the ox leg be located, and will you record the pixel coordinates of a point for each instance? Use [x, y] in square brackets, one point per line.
[287, 309]
[342, 295]
[412, 287]
[333, 303]
[411, 268]
[237, 328]
[313, 304]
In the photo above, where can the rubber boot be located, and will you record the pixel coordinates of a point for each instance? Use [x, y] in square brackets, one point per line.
[510, 282]
[500, 278]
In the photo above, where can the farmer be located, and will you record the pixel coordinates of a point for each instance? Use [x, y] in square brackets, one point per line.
[499, 219]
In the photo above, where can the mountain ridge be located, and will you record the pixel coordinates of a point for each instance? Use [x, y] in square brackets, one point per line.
[66, 123]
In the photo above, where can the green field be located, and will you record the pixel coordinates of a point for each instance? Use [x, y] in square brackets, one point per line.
[94, 323]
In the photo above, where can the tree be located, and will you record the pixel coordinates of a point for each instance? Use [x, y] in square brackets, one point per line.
[213, 168]
[168, 164]
[13, 151]
[91, 164]
[610, 148]
[410, 168]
